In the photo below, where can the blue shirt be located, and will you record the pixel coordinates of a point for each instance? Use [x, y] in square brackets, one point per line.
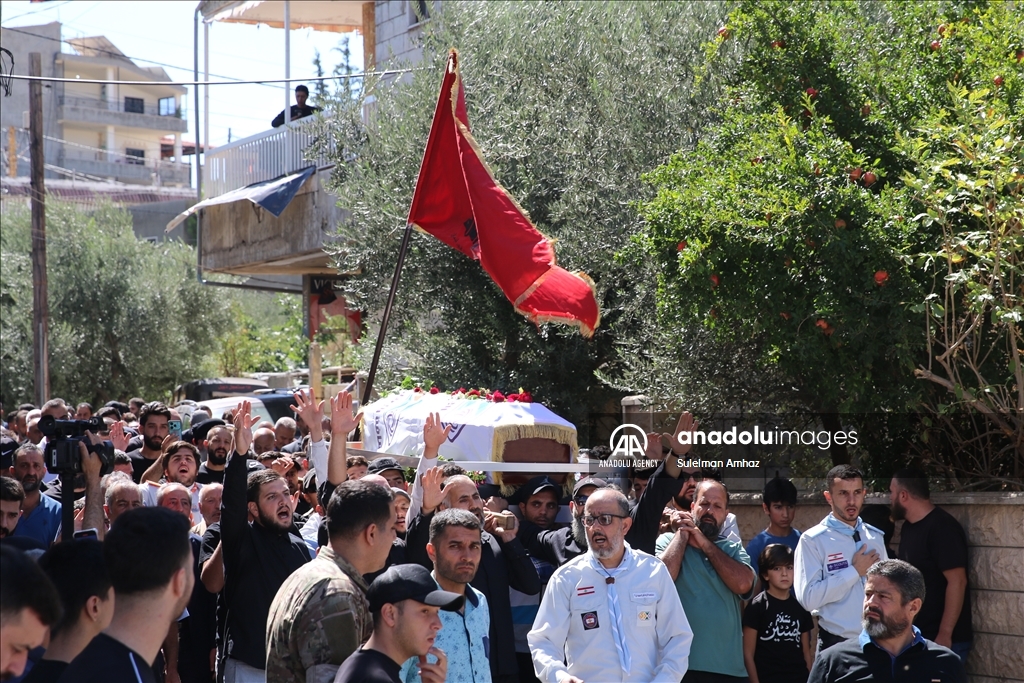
[42, 523]
[464, 639]
[765, 539]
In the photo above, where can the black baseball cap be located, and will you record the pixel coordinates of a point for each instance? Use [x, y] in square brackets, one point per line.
[382, 465]
[533, 487]
[588, 481]
[410, 582]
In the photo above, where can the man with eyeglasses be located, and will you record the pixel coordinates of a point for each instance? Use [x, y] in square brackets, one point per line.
[668, 481]
[611, 614]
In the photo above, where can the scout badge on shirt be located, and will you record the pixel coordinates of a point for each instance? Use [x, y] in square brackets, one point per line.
[590, 621]
[644, 616]
[835, 562]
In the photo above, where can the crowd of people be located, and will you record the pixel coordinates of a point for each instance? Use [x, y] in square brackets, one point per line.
[243, 551]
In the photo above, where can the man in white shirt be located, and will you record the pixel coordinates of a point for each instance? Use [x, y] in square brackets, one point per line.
[613, 613]
[833, 557]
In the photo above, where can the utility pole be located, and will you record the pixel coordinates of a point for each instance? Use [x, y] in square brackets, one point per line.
[12, 153]
[40, 306]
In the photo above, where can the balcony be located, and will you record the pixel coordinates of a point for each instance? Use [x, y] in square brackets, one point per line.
[260, 157]
[104, 113]
[124, 170]
[240, 240]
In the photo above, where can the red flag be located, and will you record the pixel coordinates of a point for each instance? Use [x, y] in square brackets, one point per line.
[458, 201]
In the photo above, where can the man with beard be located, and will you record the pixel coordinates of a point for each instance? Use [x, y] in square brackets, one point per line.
[611, 614]
[321, 615]
[668, 482]
[40, 515]
[504, 561]
[889, 647]
[179, 465]
[149, 560]
[712, 575]
[153, 425]
[455, 549]
[218, 444]
[833, 557]
[258, 555]
[935, 543]
[11, 497]
[684, 501]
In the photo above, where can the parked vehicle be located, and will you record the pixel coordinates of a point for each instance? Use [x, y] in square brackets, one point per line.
[202, 390]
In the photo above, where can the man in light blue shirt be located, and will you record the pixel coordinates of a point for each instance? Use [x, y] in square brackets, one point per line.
[455, 549]
[40, 515]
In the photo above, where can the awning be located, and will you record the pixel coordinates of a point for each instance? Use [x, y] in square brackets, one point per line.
[272, 195]
[340, 16]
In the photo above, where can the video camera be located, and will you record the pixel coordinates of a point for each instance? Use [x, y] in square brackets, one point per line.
[62, 439]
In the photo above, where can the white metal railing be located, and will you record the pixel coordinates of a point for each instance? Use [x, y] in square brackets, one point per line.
[260, 157]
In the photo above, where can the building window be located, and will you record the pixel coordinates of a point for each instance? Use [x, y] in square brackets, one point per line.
[419, 11]
[135, 156]
[167, 107]
[135, 105]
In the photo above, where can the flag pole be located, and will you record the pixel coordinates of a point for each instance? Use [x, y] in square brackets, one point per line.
[387, 313]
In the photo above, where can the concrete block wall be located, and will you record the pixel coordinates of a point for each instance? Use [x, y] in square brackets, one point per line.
[397, 37]
[995, 535]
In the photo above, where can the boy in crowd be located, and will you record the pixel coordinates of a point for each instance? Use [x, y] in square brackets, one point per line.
[779, 503]
[776, 629]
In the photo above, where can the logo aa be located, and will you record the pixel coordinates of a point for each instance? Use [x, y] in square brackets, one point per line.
[628, 441]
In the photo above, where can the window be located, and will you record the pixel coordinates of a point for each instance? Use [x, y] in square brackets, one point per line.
[167, 107]
[419, 11]
[135, 156]
[135, 105]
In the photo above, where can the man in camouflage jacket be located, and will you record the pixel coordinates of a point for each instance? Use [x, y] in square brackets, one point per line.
[321, 615]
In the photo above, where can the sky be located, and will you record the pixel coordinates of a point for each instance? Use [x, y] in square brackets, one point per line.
[161, 32]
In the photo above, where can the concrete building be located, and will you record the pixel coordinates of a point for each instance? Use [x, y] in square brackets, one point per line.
[94, 131]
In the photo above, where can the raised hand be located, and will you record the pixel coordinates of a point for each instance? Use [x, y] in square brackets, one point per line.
[431, 483]
[244, 421]
[311, 412]
[434, 673]
[686, 424]
[118, 437]
[342, 419]
[654, 451]
[434, 435]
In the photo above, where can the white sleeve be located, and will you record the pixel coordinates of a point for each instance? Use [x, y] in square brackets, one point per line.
[318, 458]
[550, 630]
[813, 588]
[416, 495]
[731, 529]
[674, 633]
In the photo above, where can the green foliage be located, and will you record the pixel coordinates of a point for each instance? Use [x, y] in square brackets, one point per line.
[571, 102]
[127, 317]
[771, 234]
[260, 345]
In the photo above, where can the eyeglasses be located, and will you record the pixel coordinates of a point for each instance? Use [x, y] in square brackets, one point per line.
[580, 500]
[697, 476]
[603, 520]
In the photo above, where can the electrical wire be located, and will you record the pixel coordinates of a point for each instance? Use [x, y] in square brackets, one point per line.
[37, 11]
[263, 81]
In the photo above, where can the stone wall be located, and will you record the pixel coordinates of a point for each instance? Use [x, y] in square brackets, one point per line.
[995, 533]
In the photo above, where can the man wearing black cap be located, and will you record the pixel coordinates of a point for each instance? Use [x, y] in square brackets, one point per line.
[404, 602]
[390, 470]
[299, 109]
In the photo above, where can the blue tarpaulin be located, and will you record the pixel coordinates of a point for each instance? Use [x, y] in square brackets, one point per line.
[273, 195]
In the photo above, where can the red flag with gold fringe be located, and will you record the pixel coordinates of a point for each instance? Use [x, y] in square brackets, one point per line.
[458, 201]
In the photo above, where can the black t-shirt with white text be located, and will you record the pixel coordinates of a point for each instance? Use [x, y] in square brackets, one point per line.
[779, 656]
[105, 660]
[936, 544]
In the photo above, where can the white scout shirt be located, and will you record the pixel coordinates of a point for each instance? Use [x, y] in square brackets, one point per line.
[572, 634]
[827, 583]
